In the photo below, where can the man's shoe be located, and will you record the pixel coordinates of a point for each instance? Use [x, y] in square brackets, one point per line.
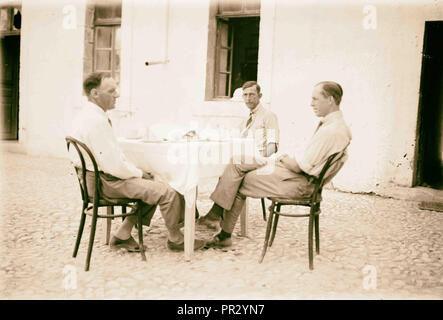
[130, 244]
[217, 243]
[173, 246]
[209, 223]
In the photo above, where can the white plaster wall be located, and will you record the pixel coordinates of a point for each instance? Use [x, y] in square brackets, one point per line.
[172, 92]
[51, 64]
[378, 69]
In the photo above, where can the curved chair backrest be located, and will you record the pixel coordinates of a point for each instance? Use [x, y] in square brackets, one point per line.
[330, 169]
[83, 185]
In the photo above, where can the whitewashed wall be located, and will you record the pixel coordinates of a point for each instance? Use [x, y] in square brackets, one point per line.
[379, 70]
[51, 64]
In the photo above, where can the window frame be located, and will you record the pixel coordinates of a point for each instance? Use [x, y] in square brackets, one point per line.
[230, 51]
[12, 31]
[216, 14]
[113, 23]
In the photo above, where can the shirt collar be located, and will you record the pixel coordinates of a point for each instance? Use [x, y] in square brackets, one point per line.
[257, 108]
[95, 108]
[332, 117]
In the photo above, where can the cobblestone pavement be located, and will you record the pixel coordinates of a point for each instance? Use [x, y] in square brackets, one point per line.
[371, 248]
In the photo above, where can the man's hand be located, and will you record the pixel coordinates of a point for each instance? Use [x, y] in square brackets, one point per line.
[260, 160]
[280, 158]
[148, 175]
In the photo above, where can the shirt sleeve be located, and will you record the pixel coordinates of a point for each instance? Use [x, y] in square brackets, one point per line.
[319, 148]
[108, 154]
[272, 130]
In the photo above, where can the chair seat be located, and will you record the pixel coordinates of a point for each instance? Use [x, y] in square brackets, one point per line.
[295, 201]
[116, 201]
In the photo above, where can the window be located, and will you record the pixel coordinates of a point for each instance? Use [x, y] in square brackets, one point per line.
[102, 37]
[107, 22]
[10, 20]
[233, 47]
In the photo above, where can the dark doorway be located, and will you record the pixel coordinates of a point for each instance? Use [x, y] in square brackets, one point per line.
[10, 61]
[245, 55]
[429, 151]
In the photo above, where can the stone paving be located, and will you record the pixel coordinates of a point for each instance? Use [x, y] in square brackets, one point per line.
[371, 248]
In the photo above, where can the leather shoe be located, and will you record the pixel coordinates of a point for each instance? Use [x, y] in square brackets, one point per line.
[217, 243]
[129, 244]
[174, 246]
[209, 223]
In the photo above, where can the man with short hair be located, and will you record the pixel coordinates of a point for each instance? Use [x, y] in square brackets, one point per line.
[262, 127]
[121, 178]
[291, 177]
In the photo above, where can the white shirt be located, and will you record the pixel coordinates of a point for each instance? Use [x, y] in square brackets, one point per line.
[331, 137]
[263, 128]
[91, 127]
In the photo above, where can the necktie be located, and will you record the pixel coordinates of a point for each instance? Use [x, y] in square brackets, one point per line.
[110, 122]
[318, 127]
[248, 123]
[249, 120]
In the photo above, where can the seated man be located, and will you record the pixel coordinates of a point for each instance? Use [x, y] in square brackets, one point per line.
[289, 178]
[121, 178]
[262, 126]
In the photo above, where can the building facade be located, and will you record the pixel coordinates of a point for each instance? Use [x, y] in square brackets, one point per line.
[180, 62]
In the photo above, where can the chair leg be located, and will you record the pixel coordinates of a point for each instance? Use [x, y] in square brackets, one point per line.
[123, 211]
[80, 230]
[263, 207]
[109, 224]
[91, 238]
[140, 236]
[268, 232]
[317, 234]
[310, 241]
[274, 229]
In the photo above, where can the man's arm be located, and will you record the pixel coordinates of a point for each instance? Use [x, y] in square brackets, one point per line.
[272, 134]
[290, 163]
[108, 154]
[271, 148]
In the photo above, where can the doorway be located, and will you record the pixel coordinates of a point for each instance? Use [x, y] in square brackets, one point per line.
[428, 170]
[10, 57]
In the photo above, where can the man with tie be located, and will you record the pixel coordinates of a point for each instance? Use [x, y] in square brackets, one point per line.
[291, 176]
[121, 178]
[262, 127]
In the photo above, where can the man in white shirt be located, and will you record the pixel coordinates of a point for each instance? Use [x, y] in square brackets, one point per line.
[290, 177]
[121, 178]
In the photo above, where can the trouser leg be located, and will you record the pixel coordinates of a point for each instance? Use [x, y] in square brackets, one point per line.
[172, 207]
[230, 217]
[229, 183]
[152, 193]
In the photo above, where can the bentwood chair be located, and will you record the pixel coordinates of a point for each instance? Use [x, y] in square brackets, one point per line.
[333, 164]
[263, 205]
[92, 204]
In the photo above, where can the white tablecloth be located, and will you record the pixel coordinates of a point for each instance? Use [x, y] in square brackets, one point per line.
[180, 164]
